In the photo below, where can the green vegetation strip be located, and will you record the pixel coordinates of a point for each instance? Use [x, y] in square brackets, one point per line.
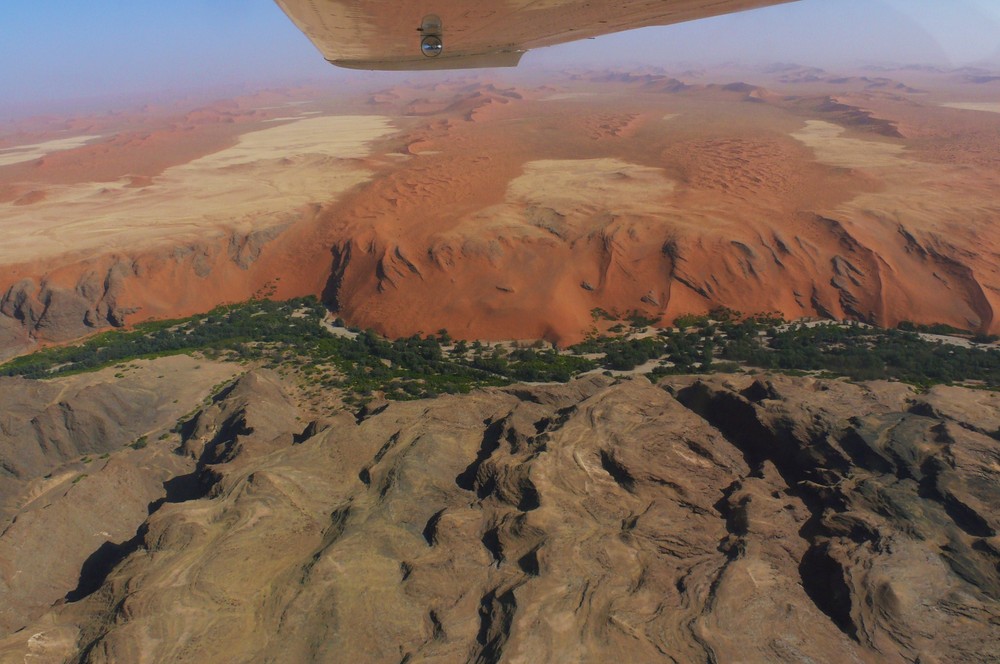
[291, 335]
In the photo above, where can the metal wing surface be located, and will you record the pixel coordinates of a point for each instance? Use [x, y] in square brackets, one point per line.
[459, 34]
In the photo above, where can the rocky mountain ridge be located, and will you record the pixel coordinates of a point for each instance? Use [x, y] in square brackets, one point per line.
[724, 518]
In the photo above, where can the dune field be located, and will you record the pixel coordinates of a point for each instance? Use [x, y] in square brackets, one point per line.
[514, 209]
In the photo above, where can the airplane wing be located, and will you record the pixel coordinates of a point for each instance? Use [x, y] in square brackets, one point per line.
[460, 34]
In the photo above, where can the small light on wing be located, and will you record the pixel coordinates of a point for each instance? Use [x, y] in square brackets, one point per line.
[431, 46]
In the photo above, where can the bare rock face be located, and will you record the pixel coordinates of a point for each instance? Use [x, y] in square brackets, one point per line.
[54, 313]
[245, 248]
[255, 410]
[46, 424]
[64, 315]
[13, 336]
[73, 495]
[82, 521]
[900, 534]
[75, 299]
[722, 519]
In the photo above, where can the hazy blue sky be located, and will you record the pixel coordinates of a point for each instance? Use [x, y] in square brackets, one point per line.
[58, 50]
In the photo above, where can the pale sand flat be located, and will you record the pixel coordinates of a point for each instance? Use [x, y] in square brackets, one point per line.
[267, 174]
[571, 198]
[834, 149]
[987, 107]
[20, 154]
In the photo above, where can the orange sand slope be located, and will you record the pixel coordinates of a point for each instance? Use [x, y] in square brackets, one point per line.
[500, 211]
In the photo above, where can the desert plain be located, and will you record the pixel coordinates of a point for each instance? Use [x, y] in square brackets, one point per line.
[514, 209]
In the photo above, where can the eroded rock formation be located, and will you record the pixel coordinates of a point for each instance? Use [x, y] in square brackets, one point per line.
[757, 519]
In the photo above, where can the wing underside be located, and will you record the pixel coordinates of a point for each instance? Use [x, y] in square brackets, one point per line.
[400, 34]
